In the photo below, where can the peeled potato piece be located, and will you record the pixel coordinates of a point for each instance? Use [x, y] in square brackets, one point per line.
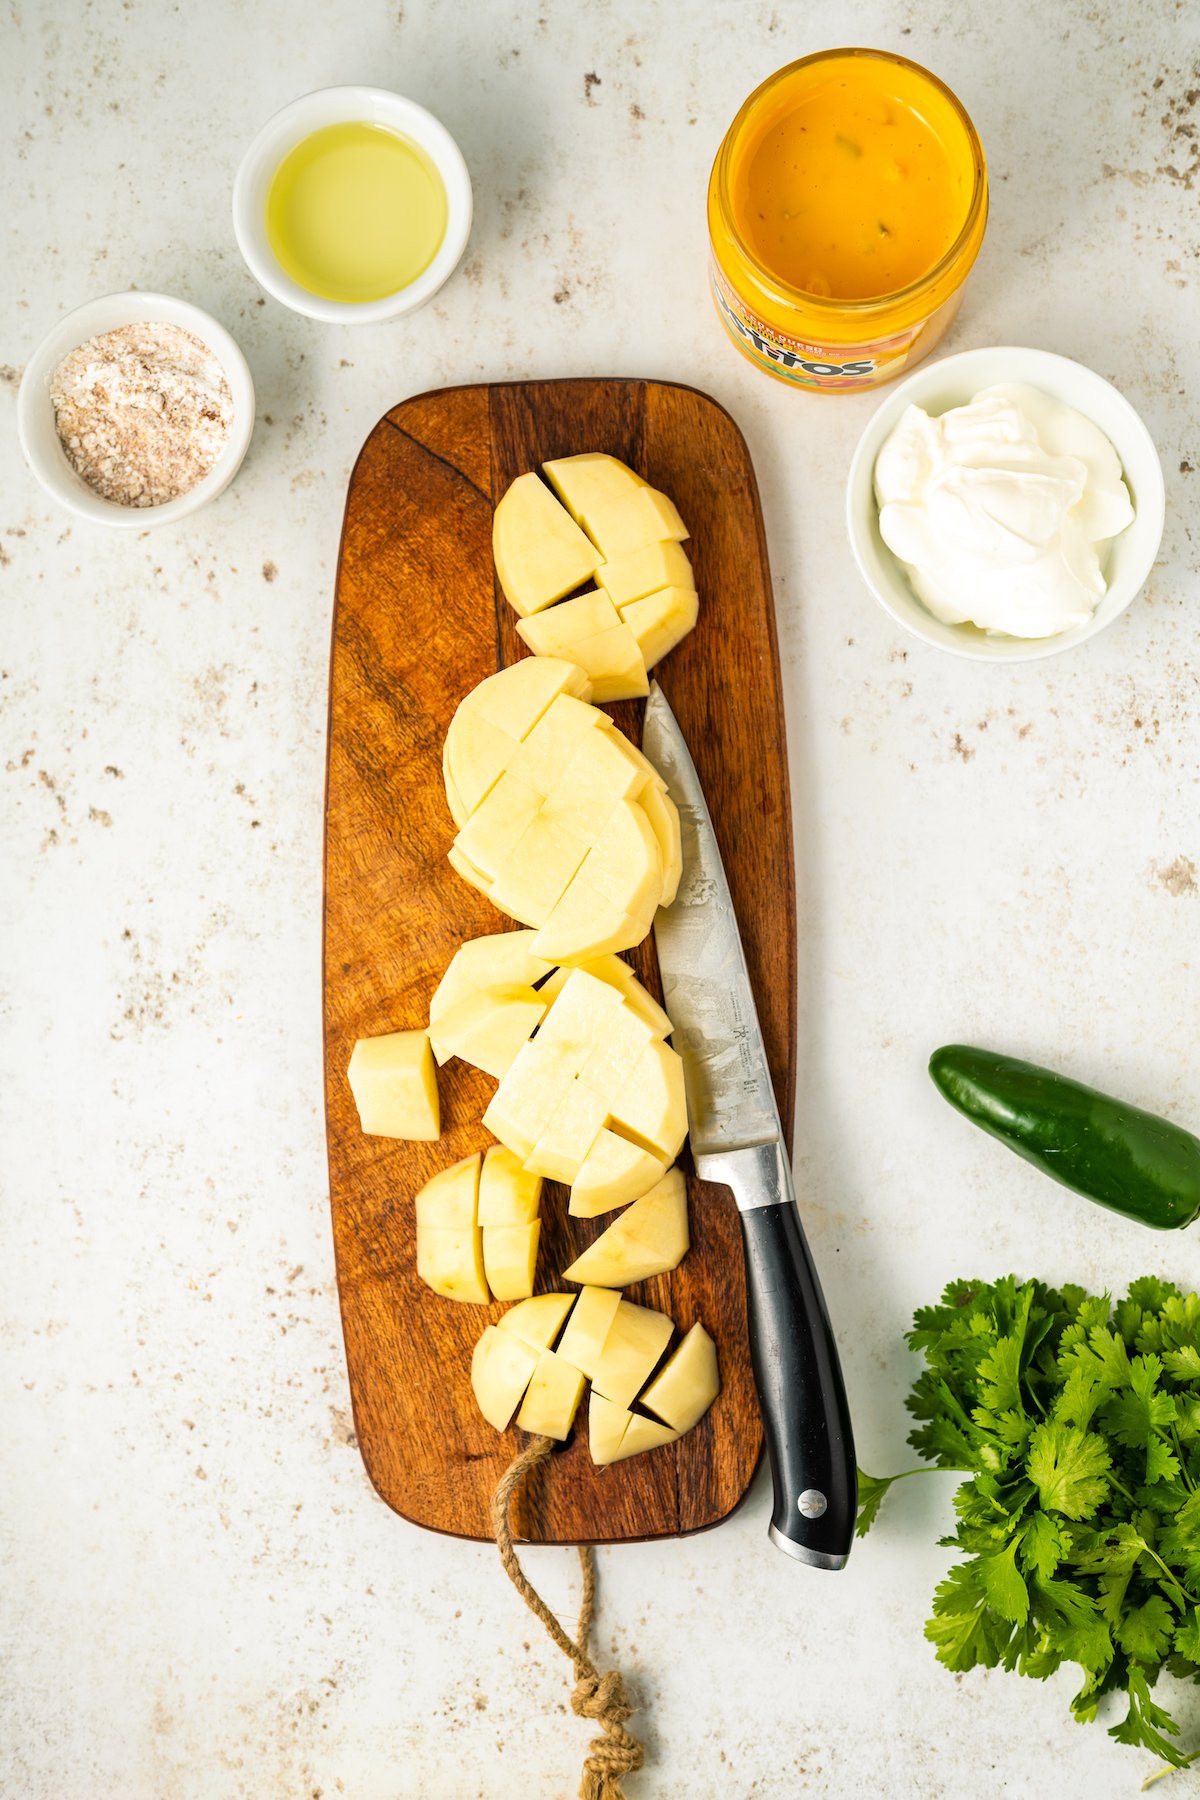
[688, 1384]
[649, 1238]
[652, 1106]
[501, 960]
[497, 714]
[510, 1259]
[586, 482]
[587, 922]
[590, 631]
[613, 1173]
[660, 620]
[539, 550]
[394, 1084]
[590, 1323]
[631, 521]
[487, 1030]
[536, 1322]
[450, 1199]
[645, 1434]
[606, 1428]
[508, 1194]
[644, 571]
[450, 1261]
[551, 1399]
[501, 1369]
[545, 751]
[663, 815]
[617, 973]
[636, 1339]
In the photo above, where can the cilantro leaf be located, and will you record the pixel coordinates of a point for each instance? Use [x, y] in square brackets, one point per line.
[963, 1628]
[1146, 1630]
[1183, 1364]
[1069, 1468]
[1144, 1723]
[1003, 1584]
[1044, 1544]
[1187, 1637]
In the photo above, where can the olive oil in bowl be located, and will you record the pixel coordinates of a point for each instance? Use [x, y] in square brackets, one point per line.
[356, 212]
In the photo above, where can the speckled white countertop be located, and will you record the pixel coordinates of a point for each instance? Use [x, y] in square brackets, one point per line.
[203, 1599]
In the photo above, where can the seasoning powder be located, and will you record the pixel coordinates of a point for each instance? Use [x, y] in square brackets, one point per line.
[143, 412]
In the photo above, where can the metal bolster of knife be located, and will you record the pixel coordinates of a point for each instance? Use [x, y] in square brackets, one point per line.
[757, 1174]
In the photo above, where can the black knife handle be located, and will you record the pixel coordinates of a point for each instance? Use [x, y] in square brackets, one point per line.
[806, 1421]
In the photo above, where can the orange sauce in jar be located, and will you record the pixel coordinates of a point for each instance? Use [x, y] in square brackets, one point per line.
[846, 207]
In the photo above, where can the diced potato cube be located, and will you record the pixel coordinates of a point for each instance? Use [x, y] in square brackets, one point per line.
[536, 1322]
[660, 620]
[688, 1384]
[539, 550]
[652, 1106]
[501, 960]
[590, 480]
[590, 631]
[450, 1261]
[516, 697]
[649, 1238]
[508, 1194]
[631, 521]
[497, 823]
[663, 815]
[487, 1030]
[475, 755]
[590, 1323]
[636, 1339]
[606, 1428]
[537, 870]
[645, 1434]
[545, 751]
[644, 571]
[501, 1368]
[450, 1198]
[394, 1083]
[510, 1259]
[568, 1133]
[613, 1173]
[552, 1397]
[587, 923]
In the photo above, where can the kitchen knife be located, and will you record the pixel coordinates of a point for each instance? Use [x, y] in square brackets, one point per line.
[737, 1139]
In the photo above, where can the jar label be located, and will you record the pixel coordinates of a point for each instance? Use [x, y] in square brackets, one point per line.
[808, 365]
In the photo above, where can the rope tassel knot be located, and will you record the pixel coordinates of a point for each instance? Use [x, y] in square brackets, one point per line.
[603, 1698]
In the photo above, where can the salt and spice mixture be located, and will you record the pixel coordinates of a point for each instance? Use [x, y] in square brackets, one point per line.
[143, 412]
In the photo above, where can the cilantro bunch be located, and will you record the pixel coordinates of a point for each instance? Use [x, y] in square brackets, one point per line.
[1079, 1425]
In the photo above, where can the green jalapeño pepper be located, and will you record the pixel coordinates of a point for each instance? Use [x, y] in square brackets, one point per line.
[1113, 1153]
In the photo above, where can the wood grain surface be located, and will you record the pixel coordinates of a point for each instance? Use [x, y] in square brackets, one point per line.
[418, 621]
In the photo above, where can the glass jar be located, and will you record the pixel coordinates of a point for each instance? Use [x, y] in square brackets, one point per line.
[846, 207]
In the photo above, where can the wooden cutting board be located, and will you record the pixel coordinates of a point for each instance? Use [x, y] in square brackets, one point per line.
[418, 621]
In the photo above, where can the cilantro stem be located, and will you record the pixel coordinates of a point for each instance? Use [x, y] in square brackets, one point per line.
[1169, 1769]
[1171, 1576]
[1186, 1479]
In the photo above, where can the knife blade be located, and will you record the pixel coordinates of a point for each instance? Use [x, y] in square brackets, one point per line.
[737, 1139]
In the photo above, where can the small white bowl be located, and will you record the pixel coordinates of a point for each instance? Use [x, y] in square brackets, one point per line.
[340, 106]
[954, 381]
[35, 409]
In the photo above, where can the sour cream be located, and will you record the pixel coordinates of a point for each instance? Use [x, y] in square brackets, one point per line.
[1003, 511]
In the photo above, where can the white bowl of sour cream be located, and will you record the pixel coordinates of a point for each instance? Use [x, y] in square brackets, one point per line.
[1003, 511]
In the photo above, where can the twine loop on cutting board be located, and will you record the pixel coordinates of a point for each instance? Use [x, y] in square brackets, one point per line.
[601, 1697]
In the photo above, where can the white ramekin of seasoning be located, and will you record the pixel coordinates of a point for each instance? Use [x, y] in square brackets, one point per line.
[344, 106]
[954, 381]
[35, 410]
